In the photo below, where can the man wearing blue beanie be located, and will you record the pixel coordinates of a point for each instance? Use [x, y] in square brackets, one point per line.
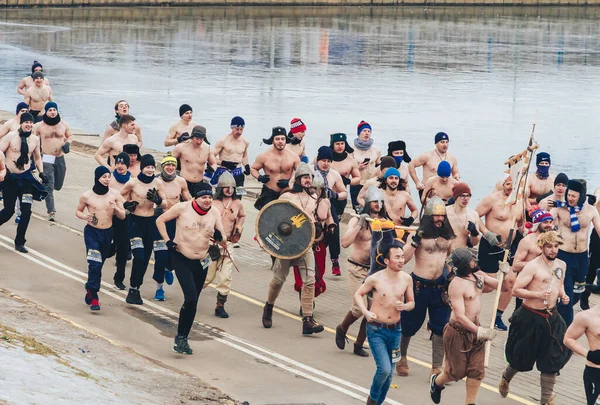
[430, 160]
[440, 185]
[15, 122]
[541, 185]
[181, 131]
[396, 198]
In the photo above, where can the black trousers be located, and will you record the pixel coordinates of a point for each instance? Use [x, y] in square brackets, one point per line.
[591, 384]
[24, 193]
[191, 275]
[337, 210]
[121, 239]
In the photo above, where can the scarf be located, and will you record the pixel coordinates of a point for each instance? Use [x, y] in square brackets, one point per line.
[362, 145]
[117, 118]
[199, 210]
[166, 177]
[324, 175]
[145, 179]
[295, 141]
[543, 172]
[575, 226]
[339, 157]
[24, 158]
[121, 178]
[51, 121]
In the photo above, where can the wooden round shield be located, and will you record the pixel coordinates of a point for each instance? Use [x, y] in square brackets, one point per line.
[284, 230]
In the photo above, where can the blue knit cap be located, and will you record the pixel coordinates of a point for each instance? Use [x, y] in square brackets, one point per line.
[444, 169]
[21, 106]
[238, 122]
[49, 105]
[392, 171]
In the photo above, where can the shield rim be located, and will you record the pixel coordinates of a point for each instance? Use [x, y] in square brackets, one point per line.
[262, 242]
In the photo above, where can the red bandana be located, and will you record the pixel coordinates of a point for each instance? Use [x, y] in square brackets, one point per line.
[197, 208]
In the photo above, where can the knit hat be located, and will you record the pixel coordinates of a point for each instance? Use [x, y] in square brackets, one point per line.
[37, 74]
[399, 145]
[459, 189]
[21, 106]
[441, 136]
[340, 137]
[35, 65]
[168, 160]
[203, 188]
[392, 171]
[123, 157]
[561, 178]
[325, 152]
[444, 169]
[147, 160]
[580, 186]
[542, 157]
[26, 117]
[296, 125]
[49, 105]
[238, 122]
[362, 125]
[387, 161]
[131, 149]
[184, 108]
[99, 172]
[200, 132]
[276, 131]
[540, 215]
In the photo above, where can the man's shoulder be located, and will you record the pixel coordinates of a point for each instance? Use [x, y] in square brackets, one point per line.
[560, 263]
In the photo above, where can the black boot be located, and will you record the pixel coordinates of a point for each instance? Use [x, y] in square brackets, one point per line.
[181, 345]
[220, 309]
[310, 326]
[585, 300]
[267, 315]
[360, 351]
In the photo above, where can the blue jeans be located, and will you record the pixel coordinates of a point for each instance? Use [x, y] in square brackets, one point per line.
[382, 342]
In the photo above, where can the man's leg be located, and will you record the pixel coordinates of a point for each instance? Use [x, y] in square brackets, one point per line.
[26, 199]
[472, 390]
[547, 382]
[141, 249]
[93, 246]
[439, 314]
[505, 298]
[281, 268]
[338, 207]
[591, 384]
[306, 264]
[354, 191]
[50, 173]
[10, 193]
[356, 276]
[223, 281]
[121, 238]
[411, 323]
[378, 342]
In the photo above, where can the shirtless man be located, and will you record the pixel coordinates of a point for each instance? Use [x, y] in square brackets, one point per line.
[541, 183]
[358, 236]
[231, 152]
[21, 150]
[527, 250]
[301, 194]
[119, 178]
[27, 81]
[430, 245]
[336, 192]
[464, 339]
[101, 203]
[14, 123]
[537, 330]
[133, 150]
[278, 163]
[430, 161]
[367, 157]
[345, 164]
[386, 163]
[55, 135]
[392, 291]
[296, 139]
[121, 109]
[397, 199]
[143, 193]
[397, 150]
[440, 185]
[114, 144]
[194, 158]
[465, 222]
[181, 130]
[574, 219]
[196, 225]
[546, 201]
[37, 96]
[233, 217]
[588, 323]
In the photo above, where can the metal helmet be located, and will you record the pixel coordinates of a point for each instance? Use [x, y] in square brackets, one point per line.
[318, 182]
[373, 194]
[226, 180]
[435, 206]
[303, 169]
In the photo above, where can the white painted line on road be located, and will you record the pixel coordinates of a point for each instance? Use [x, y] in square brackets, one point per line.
[120, 297]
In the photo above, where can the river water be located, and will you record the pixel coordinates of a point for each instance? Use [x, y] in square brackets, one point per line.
[479, 74]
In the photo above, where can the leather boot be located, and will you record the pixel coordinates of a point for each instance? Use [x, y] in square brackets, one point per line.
[267, 315]
[370, 401]
[402, 367]
[360, 351]
[310, 326]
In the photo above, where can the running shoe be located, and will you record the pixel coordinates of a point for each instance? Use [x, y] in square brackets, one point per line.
[95, 306]
[499, 324]
[160, 295]
[434, 390]
[169, 277]
[181, 345]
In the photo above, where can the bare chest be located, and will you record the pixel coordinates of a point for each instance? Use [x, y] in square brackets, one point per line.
[344, 167]
[50, 133]
[436, 245]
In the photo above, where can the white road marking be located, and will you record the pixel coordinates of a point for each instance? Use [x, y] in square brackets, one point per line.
[234, 342]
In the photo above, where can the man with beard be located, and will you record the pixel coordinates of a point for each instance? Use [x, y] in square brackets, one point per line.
[119, 178]
[546, 201]
[121, 109]
[14, 123]
[464, 338]
[300, 194]
[541, 183]
[197, 225]
[367, 156]
[233, 218]
[27, 81]
[336, 191]
[358, 235]
[386, 163]
[180, 131]
[397, 150]
[113, 145]
[21, 150]
[464, 221]
[430, 245]
[37, 95]
[278, 163]
[430, 162]
[143, 193]
[55, 135]
[133, 150]
[396, 198]
[101, 203]
[574, 218]
[296, 139]
[537, 330]
[440, 185]
[195, 158]
[231, 152]
[527, 250]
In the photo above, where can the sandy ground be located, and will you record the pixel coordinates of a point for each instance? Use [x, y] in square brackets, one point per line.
[46, 359]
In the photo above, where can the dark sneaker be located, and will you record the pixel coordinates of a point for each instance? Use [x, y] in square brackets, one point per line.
[95, 306]
[340, 338]
[310, 326]
[88, 297]
[267, 315]
[119, 285]
[220, 312]
[181, 345]
[335, 269]
[21, 248]
[134, 297]
[499, 324]
[360, 351]
[434, 390]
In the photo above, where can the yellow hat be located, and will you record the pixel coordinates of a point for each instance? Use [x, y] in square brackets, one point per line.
[168, 160]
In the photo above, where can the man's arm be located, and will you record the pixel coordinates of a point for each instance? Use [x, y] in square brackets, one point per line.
[212, 161]
[27, 98]
[574, 332]
[185, 192]
[352, 231]
[68, 133]
[256, 166]
[165, 217]
[489, 283]
[363, 290]
[21, 87]
[414, 212]
[596, 220]
[412, 170]
[170, 140]
[2, 167]
[50, 98]
[520, 288]
[245, 155]
[5, 143]
[79, 212]
[118, 206]
[138, 133]
[161, 193]
[217, 149]
[4, 129]
[456, 294]
[37, 156]
[340, 188]
[409, 249]
[484, 207]
[520, 256]
[104, 148]
[426, 188]
[126, 189]
[455, 171]
[241, 218]
[409, 294]
[108, 132]
[355, 173]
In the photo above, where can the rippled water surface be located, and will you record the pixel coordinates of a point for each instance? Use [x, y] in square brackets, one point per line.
[479, 74]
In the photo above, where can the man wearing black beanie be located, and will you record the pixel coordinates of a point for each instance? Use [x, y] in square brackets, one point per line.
[14, 123]
[119, 178]
[27, 81]
[143, 193]
[181, 131]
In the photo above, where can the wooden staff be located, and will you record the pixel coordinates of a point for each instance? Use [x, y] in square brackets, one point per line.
[404, 228]
[531, 147]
